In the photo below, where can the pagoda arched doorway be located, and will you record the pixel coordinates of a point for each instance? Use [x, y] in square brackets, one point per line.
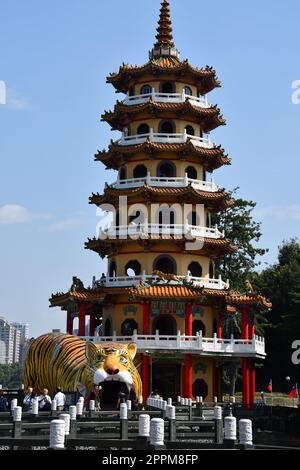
[198, 325]
[140, 171]
[200, 388]
[166, 170]
[165, 264]
[108, 328]
[165, 325]
[167, 87]
[128, 326]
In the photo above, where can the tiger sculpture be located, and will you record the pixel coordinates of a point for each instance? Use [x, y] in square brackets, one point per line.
[65, 361]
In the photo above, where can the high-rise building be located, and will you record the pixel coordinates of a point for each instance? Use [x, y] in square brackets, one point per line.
[10, 338]
[160, 290]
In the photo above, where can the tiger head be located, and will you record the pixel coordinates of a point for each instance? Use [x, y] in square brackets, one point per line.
[114, 362]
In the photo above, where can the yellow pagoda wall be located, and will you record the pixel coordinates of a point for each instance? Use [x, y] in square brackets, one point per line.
[146, 260]
[179, 85]
[152, 167]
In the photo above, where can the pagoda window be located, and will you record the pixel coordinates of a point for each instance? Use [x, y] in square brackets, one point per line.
[191, 172]
[140, 171]
[167, 87]
[166, 170]
[188, 91]
[167, 127]
[123, 172]
[198, 326]
[204, 175]
[193, 218]
[211, 270]
[165, 264]
[143, 129]
[137, 217]
[190, 130]
[165, 216]
[133, 268]
[131, 91]
[165, 324]
[146, 90]
[113, 269]
[195, 269]
[108, 331]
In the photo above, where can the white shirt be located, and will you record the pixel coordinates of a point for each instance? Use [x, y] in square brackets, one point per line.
[43, 400]
[60, 399]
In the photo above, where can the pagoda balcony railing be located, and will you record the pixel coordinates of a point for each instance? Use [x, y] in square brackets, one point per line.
[131, 281]
[200, 101]
[165, 139]
[166, 182]
[144, 230]
[191, 344]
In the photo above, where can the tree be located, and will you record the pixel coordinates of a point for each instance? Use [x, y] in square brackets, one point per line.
[244, 232]
[281, 283]
[11, 375]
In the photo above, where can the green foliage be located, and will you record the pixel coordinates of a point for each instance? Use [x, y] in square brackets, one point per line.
[281, 283]
[11, 376]
[240, 228]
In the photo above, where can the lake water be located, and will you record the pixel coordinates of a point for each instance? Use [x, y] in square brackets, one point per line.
[276, 438]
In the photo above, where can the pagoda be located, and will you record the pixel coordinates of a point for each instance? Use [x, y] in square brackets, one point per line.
[160, 290]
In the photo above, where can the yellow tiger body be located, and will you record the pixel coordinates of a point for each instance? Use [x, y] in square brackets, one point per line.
[65, 361]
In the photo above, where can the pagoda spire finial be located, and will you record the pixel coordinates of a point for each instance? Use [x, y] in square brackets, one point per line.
[164, 30]
[164, 38]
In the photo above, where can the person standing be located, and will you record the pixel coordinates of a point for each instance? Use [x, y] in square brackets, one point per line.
[3, 402]
[29, 397]
[60, 399]
[44, 401]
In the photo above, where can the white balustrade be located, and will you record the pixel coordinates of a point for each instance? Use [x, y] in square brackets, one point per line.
[164, 182]
[194, 344]
[200, 101]
[128, 281]
[161, 138]
[147, 230]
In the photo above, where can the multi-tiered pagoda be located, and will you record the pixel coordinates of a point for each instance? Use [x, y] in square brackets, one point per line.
[160, 289]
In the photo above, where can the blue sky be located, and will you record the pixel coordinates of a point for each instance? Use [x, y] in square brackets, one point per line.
[55, 56]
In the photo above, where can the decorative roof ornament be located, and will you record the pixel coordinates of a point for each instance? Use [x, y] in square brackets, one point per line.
[164, 46]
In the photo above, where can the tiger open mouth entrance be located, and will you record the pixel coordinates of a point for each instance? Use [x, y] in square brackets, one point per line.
[110, 394]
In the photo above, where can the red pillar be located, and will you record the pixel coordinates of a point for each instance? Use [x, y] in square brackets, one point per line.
[188, 320]
[183, 380]
[82, 313]
[146, 318]
[92, 324]
[219, 332]
[145, 376]
[245, 323]
[246, 381]
[188, 376]
[252, 329]
[69, 323]
[252, 385]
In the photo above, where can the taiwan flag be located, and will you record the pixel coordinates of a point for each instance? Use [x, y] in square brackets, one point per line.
[270, 386]
[294, 392]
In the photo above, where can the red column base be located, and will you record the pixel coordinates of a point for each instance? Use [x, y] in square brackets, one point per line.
[188, 376]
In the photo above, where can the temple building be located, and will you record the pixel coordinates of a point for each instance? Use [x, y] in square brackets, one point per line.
[160, 290]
